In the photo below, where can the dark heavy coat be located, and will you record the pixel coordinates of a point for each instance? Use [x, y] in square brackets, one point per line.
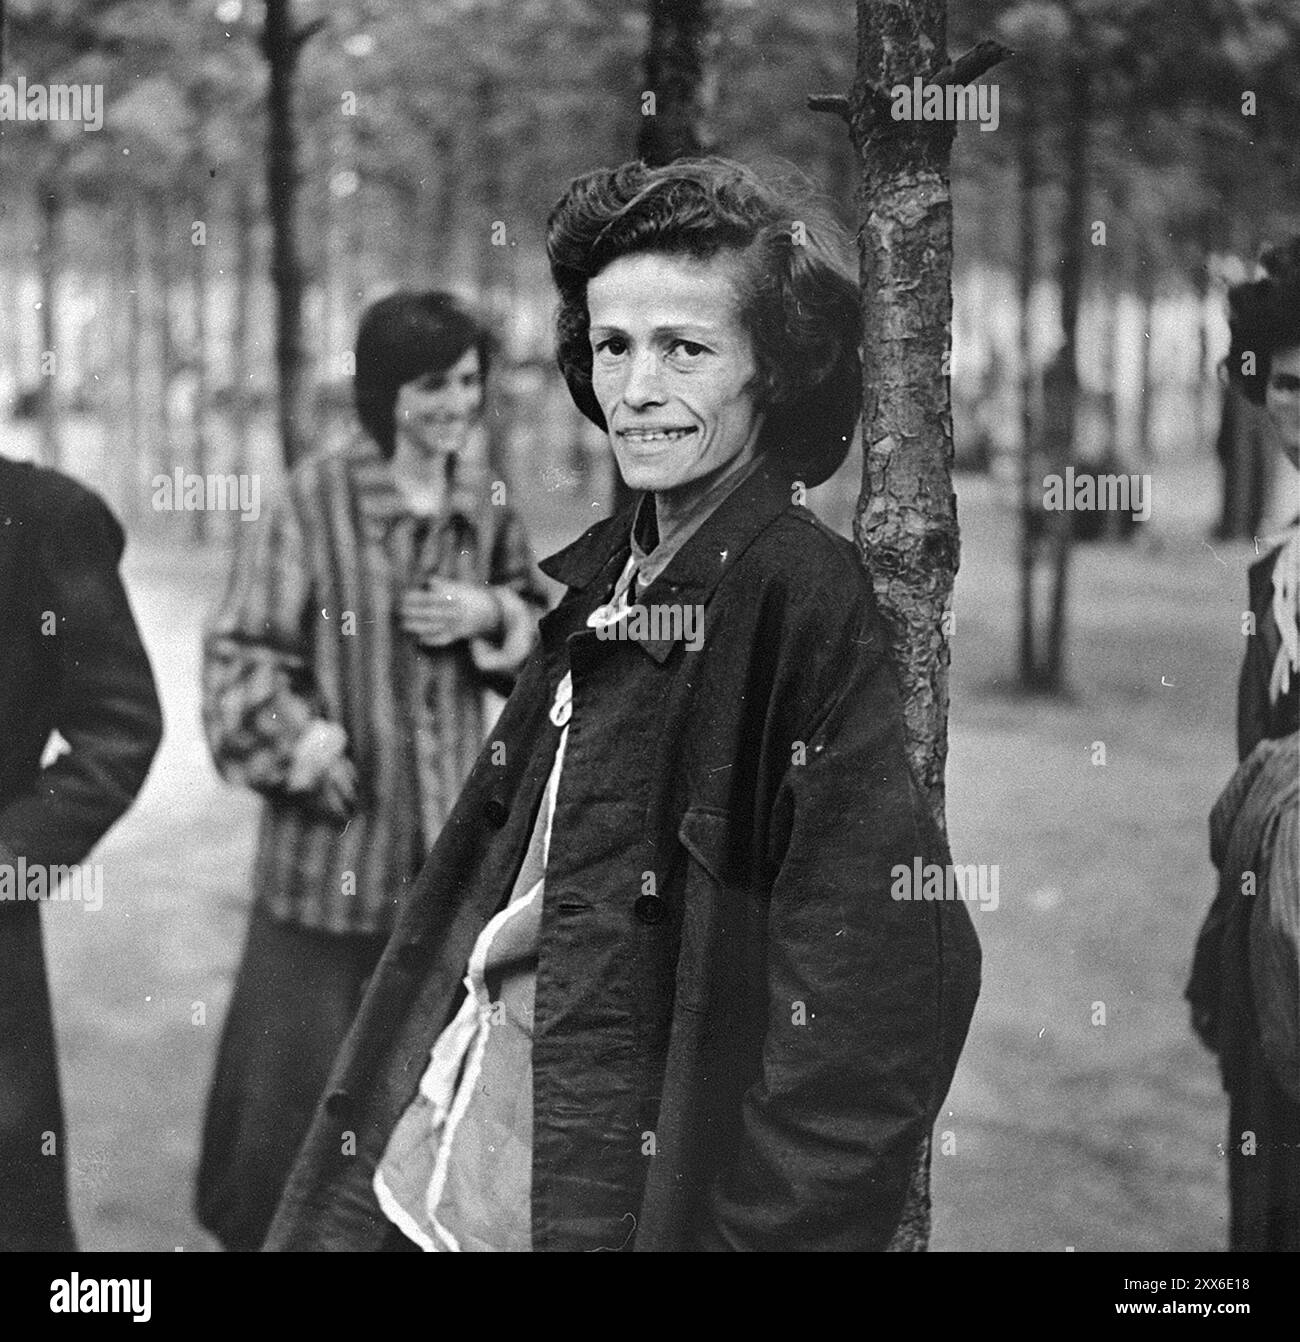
[1263, 1176]
[71, 659]
[740, 1037]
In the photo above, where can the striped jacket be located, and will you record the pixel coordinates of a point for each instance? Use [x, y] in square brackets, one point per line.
[308, 632]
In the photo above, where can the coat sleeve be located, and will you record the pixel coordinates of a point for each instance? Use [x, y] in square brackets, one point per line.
[259, 693]
[868, 996]
[1252, 697]
[106, 707]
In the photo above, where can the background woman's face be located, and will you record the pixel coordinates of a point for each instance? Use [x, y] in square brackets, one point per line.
[1282, 400]
[672, 368]
[435, 412]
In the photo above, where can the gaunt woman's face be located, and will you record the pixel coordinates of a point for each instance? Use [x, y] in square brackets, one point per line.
[672, 368]
[1282, 400]
[435, 412]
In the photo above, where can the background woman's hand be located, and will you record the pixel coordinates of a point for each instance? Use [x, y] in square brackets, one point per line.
[448, 611]
[338, 788]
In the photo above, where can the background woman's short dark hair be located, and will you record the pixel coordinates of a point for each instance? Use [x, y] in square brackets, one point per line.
[403, 337]
[1264, 317]
[798, 296]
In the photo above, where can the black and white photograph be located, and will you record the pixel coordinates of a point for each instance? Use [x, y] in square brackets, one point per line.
[659, 626]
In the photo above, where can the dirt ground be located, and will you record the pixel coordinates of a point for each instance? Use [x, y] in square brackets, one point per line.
[1063, 1133]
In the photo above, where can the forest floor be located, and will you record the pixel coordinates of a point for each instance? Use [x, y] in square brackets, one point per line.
[1062, 1132]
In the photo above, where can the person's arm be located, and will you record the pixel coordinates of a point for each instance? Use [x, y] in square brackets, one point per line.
[261, 710]
[521, 601]
[1252, 694]
[106, 706]
[868, 997]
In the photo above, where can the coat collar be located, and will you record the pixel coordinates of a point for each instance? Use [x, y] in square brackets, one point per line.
[589, 566]
[699, 565]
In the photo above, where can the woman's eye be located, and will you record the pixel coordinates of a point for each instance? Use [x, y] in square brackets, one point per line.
[688, 349]
[612, 346]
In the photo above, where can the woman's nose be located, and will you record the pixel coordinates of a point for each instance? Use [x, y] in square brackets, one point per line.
[644, 385]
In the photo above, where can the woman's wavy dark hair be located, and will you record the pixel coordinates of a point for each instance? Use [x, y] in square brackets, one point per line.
[1264, 317]
[798, 296]
[403, 337]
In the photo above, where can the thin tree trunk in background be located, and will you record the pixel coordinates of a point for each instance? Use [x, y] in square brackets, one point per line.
[493, 245]
[1107, 296]
[1027, 222]
[139, 433]
[122, 431]
[199, 302]
[439, 209]
[164, 249]
[282, 45]
[1063, 380]
[677, 74]
[1146, 389]
[240, 328]
[1204, 373]
[906, 517]
[11, 330]
[51, 212]
[336, 309]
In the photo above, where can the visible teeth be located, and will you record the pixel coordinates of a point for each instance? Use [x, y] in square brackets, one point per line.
[655, 436]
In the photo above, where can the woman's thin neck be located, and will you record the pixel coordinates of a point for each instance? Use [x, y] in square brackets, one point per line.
[675, 507]
[422, 482]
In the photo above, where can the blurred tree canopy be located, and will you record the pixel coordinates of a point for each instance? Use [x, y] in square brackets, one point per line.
[433, 140]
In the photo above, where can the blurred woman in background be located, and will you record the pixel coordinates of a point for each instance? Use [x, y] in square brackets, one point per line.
[1244, 986]
[344, 680]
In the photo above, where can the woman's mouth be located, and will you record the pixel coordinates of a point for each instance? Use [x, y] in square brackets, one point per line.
[639, 436]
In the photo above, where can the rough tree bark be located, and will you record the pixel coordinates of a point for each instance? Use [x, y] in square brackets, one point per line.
[906, 518]
[282, 46]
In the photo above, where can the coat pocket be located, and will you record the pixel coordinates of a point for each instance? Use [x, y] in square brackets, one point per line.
[721, 938]
[706, 836]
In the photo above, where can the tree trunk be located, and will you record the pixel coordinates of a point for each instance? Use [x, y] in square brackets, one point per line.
[1146, 391]
[281, 45]
[164, 249]
[51, 215]
[676, 74]
[906, 516]
[199, 304]
[494, 243]
[139, 434]
[241, 328]
[1063, 377]
[438, 205]
[1027, 166]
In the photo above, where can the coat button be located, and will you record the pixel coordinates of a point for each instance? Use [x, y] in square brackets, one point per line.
[650, 909]
[338, 1103]
[496, 811]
